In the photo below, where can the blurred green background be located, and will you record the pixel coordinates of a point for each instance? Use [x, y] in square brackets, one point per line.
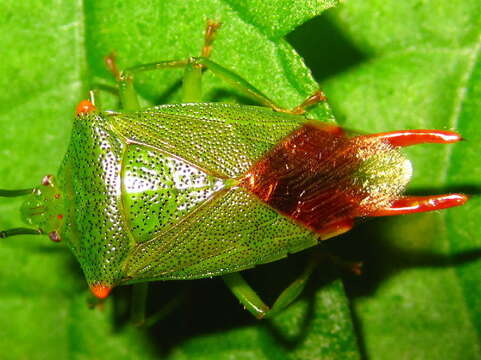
[383, 65]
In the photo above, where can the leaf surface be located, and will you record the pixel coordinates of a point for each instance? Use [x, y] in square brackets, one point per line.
[404, 65]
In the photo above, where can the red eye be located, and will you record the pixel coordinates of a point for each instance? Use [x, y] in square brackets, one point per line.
[54, 236]
[47, 180]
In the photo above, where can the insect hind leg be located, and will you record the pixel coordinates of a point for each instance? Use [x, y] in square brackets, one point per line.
[254, 304]
[252, 92]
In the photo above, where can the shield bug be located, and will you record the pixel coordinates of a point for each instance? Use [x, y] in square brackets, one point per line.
[195, 190]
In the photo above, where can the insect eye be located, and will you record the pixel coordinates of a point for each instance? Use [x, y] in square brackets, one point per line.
[54, 236]
[47, 180]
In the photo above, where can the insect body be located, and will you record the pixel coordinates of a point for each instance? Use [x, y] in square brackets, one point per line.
[195, 190]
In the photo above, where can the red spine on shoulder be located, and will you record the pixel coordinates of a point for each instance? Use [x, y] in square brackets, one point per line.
[85, 107]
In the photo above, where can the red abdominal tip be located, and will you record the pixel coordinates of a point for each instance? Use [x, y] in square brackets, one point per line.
[85, 107]
[100, 291]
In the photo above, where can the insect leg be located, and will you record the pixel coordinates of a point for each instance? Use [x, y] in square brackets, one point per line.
[139, 306]
[174, 303]
[127, 94]
[125, 78]
[139, 303]
[254, 304]
[312, 100]
[237, 82]
[192, 82]
[209, 37]
[241, 84]
[192, 76]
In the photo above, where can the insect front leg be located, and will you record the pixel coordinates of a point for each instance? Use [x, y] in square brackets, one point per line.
[192, 89]
[254, 304]
[192, 82]
[125, 78]
[139, 309]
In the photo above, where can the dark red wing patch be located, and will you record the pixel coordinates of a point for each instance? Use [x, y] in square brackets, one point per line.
[308, 177]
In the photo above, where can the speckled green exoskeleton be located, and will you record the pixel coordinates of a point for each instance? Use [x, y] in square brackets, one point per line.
[195, 190]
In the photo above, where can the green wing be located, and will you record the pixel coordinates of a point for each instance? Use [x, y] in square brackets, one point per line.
[230, 229]
[223, 139]
[231, 232]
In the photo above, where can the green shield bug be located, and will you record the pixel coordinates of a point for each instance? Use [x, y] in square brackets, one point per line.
[195, 190]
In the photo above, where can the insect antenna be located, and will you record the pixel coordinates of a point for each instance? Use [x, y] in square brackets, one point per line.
[17, 231]
[15, 193]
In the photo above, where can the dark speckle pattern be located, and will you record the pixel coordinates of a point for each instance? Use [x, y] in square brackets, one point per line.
[98, 235]
[160, 189]
[152, 195]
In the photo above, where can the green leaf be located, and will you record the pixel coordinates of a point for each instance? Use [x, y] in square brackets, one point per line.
[413, 64]
[278, 18]
[52, 54]
[384, 66]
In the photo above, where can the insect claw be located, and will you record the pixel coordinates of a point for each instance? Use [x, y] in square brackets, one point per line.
[413, 137]
[111, 63]
[352, 267]
[415, 204]
[209, 36]
[312, 100]
[356, 268]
